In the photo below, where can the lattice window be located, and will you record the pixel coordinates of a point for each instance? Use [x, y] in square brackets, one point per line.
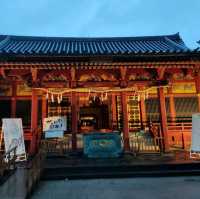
[119, 112]
[62, 109]
[133, 113]
[167, 104]
[185, 107]
[152, 109]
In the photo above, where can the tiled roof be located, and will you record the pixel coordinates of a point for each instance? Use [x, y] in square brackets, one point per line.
[67, 46]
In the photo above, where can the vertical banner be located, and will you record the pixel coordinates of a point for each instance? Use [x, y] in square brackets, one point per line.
[195, 145]
[14, 136]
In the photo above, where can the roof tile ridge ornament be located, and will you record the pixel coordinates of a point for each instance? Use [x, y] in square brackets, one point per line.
[180, 47]
[198, 48]
[4, 41]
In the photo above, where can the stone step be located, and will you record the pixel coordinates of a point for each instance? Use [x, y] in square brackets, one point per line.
[120, 171]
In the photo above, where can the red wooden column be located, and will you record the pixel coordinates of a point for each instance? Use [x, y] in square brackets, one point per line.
[74, 105]
[143, 110]
[13, 100]
[34, 121]
[163, 117]
[44, 107]
[197, 84]
[114, 110]
[125, 121]
[198, 98]
[172, 105]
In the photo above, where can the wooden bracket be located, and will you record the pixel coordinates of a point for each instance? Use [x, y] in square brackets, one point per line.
[34, 74]
[73, 77]
[2, 73]
[123, 72]
[160, 72]
[73, 74]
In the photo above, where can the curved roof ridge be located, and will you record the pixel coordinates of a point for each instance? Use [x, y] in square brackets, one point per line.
[157, 37]
[56, 46]
[177, 45]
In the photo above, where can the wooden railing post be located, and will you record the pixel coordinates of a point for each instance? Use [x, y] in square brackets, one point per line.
[163, 114]
[125, 122]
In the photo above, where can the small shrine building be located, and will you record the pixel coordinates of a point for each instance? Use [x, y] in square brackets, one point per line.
[123, 83]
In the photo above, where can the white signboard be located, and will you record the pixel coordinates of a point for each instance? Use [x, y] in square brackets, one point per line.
[55, 123]
[195, 146]
[13, 135]
[54, 134]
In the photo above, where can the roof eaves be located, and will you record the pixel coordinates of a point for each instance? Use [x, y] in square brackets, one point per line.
[4, 41]
[176, 45]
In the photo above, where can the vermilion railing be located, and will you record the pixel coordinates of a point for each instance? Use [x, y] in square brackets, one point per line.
[179, 126]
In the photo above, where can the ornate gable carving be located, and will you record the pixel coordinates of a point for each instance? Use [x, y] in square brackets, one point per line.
[54, 76]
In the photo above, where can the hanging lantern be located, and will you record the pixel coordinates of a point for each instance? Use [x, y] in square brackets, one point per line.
[147, 95]
[134, 96]
[89, 95]
[52, 98]
[106, 96]
[138, 97]
[47, 96]
[58, 99]
[102, 97]
[144, 96]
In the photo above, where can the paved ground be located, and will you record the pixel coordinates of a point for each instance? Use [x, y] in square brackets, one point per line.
[137, 188]
[15, 186]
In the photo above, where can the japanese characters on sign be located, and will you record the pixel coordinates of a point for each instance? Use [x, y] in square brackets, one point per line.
[55, 123]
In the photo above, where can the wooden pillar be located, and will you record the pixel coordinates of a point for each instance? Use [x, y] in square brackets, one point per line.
[34, 121]
[74, 120]
[13, 107]
[13, 100]
[163, 117]
[114, 111]
[44, 108]
[197, 84]
[172, 108]
[198, 98]
[143, 111]
[125, 121]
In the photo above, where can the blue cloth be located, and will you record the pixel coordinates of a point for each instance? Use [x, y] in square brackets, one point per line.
[102, 145]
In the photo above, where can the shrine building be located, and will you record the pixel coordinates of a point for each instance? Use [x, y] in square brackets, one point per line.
[111, 83]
